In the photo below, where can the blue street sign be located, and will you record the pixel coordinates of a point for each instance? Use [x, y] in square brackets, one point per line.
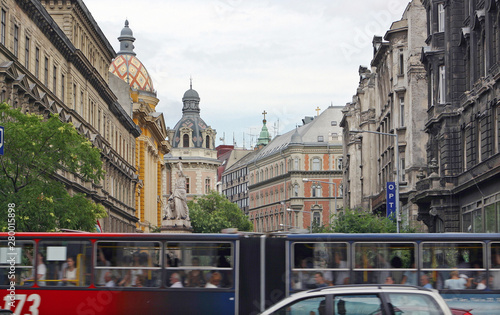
[1, 139]
[391, 199]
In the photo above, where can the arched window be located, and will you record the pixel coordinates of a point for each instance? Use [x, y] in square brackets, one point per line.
[185, 141]
[207, 142]
[339, 163]
[296, 164]
[296, 190]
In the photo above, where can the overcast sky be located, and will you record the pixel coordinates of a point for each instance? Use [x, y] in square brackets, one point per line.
[286, 57]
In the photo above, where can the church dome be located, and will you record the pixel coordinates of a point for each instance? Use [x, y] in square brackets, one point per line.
[191, 95]
[127, 66]
[131, 70]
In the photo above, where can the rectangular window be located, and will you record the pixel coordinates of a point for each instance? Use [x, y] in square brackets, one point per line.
[63, 90]
[143, 269]
[402, 170]
[496, 131]
[37, 62]
[4, 26]
[402, 111]
[16, 40]
[441, 19]
[203, 264]
[442, 85]
[187, 185]
[24, 261]
[316, 164]
[335, 262]
[74, 96]
[27, 53]
[207, 185]
[320, 139]
[54, 80]
[68, 260]
[46, 71]
[82, 110]
[432, 88]
[401, 63]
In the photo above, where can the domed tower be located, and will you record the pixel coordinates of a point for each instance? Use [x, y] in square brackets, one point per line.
[151, 145]
[128, 67]
[194, 142]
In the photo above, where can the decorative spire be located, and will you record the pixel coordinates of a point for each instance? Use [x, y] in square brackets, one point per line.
[190, 83]
[264, 136]
[127, 40]
[317, 110]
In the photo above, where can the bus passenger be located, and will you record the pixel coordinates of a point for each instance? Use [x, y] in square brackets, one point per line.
[341, 277]
[195, 277]
[41, 272]
[175, 280]
[101, 262]
[214, 280]
[320, 280]
[109, 279]
[425, 282]
[456, 282]
[69, 273]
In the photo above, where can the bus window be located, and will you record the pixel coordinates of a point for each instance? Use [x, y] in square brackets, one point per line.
[383, 262]
[308, 259]
[439, 259]
[128, 264]
[200, 264]
[20, 256]
[64, 263]
[495, 266]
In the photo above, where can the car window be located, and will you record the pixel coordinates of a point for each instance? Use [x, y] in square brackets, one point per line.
[362, 304]
[414, 304]
[311, 306]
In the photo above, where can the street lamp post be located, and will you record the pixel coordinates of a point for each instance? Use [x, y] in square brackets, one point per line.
[311, 225]
[396, 156]
[305, 180]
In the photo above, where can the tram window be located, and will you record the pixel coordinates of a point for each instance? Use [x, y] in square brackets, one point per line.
[200, 264]
[21, 254]
[442, 258]
[128, 264]
[395, 260]
[64, 263]
[330, 259]
[495, 266]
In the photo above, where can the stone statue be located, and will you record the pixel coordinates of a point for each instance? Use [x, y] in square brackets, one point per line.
[177, 208]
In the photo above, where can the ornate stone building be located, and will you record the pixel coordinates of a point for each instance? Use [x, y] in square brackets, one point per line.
[151, 145]
[459, 190]
[277, 171]
[54, 59]
[391, 98]
[193, 142]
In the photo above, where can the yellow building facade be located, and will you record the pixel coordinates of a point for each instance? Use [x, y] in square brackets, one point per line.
[151, 145]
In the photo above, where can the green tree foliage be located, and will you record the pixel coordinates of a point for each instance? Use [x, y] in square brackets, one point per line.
[213, 212]
[35, 149]
[361, 221]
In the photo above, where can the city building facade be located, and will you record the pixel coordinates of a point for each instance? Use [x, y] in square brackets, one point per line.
[54, 59]
[390, 99]
[151, 145]
[296, 178]
[459, 190]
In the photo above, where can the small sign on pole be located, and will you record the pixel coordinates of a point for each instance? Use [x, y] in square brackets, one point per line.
[1, 139]
[391, 200]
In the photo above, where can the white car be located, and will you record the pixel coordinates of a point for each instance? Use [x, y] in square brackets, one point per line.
[363, 300]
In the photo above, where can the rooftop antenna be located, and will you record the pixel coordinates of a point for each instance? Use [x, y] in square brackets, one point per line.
[223, 138]
[244, 141]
